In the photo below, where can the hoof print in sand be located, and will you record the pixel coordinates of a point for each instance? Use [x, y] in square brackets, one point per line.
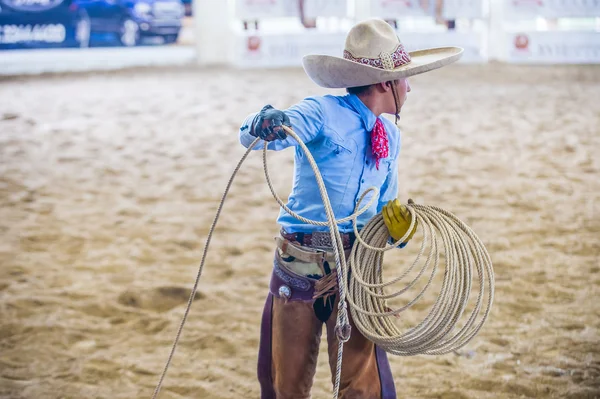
[159, 299]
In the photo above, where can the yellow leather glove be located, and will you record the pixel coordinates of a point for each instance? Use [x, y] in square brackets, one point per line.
[397, 220]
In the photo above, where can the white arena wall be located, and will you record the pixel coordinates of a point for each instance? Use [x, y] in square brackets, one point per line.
[519, 31]
[514, 31]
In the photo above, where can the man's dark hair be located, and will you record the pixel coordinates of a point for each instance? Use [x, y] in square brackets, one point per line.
[358, 90]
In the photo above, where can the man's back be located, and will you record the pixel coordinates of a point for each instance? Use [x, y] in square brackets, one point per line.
[336, 130]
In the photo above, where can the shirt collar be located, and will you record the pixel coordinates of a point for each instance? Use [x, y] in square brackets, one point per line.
[367, 117]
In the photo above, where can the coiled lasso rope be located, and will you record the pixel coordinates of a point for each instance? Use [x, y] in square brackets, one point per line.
[366, 291]
[432, 336]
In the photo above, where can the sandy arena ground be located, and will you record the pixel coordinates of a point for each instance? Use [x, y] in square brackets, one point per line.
[109, 182]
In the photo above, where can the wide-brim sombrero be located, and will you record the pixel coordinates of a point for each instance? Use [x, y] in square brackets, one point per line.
[373, 54]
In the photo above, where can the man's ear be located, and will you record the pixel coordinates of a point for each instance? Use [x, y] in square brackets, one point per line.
[385, 86]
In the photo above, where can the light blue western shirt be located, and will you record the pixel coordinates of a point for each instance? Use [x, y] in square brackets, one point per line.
[337, 131]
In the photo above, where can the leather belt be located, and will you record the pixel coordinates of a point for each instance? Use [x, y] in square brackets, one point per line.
[306, 254]
[318, 239]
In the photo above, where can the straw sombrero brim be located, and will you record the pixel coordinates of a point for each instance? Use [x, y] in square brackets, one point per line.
[337, 73]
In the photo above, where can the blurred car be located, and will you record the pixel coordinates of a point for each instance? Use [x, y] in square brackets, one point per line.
[43, 24]
[131, 21]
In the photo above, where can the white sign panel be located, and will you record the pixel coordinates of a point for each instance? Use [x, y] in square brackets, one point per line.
[272, 51]
[554, 47]
[520, 9]
[399, 8]
[471, 42]
[256, 9]
[453, 9]
[265, 51]
[325, 8]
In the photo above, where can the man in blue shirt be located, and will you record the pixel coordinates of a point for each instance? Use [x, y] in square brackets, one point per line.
[355, 148]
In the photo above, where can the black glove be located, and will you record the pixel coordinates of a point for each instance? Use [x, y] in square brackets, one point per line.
[267, 124]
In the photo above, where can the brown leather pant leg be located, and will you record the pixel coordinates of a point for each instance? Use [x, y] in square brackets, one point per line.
[365, 370]
[295, 347]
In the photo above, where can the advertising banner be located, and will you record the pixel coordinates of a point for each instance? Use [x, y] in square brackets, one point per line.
[257, 9]
[42, 23]
[400, 8]
[452, 9]
[79, 23]
[325, 8]
[266, 51]
[522, 9]
[271, 51]
[554, 47]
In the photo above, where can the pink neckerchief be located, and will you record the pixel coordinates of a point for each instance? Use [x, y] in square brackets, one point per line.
[379, 142]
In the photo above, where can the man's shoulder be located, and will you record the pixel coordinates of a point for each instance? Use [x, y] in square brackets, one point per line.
[326, 100]
[322, 106]
[394, 136]
[390, 126]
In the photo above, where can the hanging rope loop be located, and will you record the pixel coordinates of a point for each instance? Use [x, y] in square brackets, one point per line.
[367, 292]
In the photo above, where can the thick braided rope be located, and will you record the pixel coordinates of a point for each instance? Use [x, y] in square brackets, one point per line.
[366, 295]
[342, 322]
[436, 334]
[368, 301]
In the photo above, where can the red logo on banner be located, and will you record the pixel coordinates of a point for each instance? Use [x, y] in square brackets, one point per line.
[253, 43]
[522, 42]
